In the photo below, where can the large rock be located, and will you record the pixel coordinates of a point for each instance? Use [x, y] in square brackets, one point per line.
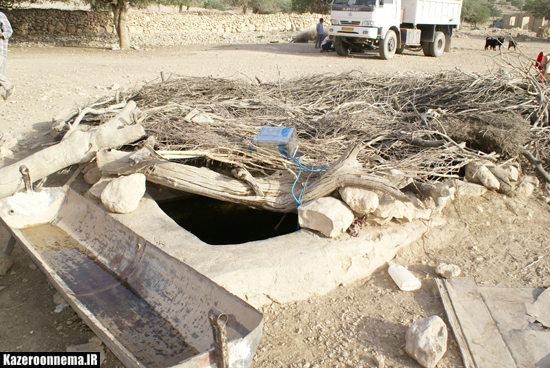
[92, 176]
[447, 270]
[5, 153]
[527, 186]
[479, 173]
[389, 208]
[426, 341]
[511, 171]
[122, 195]
[360, 200]
[465, 189]
[543, 32]
[328, 215]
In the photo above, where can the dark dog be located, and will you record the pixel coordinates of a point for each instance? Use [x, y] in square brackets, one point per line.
[513, 44]
[490, 43]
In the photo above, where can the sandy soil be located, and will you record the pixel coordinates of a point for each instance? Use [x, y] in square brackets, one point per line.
[492, 238]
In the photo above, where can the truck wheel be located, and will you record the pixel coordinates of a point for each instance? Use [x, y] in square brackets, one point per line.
[438, 46]
[427, 48]
[388, 46]
[341, 47]
[400, 50]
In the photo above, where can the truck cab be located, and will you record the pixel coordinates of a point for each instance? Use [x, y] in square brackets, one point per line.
[393, 25]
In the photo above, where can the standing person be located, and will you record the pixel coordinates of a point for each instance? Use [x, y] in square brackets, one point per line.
[5, 34]
[319, 33]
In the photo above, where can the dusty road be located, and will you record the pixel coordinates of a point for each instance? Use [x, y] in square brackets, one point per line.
[317, 332]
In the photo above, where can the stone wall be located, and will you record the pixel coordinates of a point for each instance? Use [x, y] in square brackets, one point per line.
[52, 21]
[220, 23]
[153, 28]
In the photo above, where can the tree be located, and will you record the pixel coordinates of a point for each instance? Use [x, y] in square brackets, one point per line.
[263, 6]
[244, 3]
[518, 3]
[310, 6]
[181, 3]
[475, 12]
[215, 4]
[120, 17]
[494, 11]
[539, 8]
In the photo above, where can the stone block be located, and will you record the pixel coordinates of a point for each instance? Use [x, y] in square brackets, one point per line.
[122, 195]
[389, 208]
[465, 189]
[426, 341]
[328, 215]
[478, 173]
[92, 176]
[360, 200]
[447, 270]
[527, 186]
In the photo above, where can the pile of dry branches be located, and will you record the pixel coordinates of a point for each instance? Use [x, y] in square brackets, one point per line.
[427, 126]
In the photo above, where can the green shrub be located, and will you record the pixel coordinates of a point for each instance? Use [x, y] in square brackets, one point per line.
[214, 4]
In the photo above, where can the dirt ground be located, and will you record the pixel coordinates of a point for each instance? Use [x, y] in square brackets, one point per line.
[493, 238]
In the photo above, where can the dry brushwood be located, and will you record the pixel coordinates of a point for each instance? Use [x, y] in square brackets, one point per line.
[426, 126]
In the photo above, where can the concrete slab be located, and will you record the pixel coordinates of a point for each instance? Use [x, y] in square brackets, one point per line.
[282, 269]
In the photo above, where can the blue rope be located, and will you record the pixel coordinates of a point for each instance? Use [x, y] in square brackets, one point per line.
[251, 143]
[299, 199]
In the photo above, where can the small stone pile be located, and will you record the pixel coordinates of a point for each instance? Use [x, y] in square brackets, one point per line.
[333, 217]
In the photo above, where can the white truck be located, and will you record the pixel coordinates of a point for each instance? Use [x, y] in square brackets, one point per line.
[393, 25]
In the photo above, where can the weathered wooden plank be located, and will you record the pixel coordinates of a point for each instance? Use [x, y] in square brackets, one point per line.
[482, 335]
[455, 325]
[529, 347]
[276, 188]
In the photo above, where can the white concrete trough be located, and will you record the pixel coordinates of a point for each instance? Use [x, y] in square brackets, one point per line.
[150, 308]
[285, 268]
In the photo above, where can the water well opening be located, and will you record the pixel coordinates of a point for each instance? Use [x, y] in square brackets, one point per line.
[218, 223]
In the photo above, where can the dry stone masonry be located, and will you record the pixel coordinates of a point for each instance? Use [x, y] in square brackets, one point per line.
[63, 27]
